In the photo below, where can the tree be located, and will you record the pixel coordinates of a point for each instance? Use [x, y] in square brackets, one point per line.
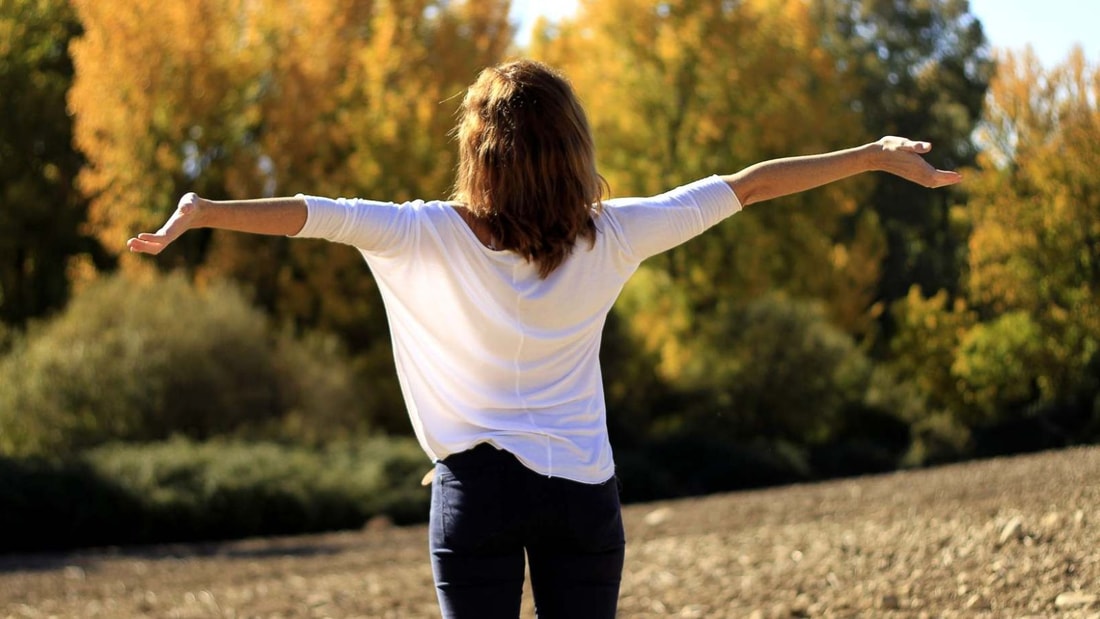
[680, 90]
[269, 97]
[921, 69]
[366, 113]
[1016, 360]
[1035, 247]
[42, 242]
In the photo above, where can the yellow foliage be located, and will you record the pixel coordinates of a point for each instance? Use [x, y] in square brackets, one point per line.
[661, 320]
[683, 89]
[928, 334]
[1035, 207]
[247, 98]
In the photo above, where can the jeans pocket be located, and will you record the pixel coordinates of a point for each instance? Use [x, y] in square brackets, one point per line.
[471, 507]
[595, 516]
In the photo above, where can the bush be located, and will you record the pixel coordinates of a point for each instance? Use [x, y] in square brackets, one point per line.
[181, 491]
[140, 361]
[693, 464]
[938, 438]
[777, 370]
[998, 367]
[774, 393]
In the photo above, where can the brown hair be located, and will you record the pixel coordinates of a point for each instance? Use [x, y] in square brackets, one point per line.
[527, 163]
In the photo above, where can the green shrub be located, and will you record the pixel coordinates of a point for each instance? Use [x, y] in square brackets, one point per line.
[773, 393]
[778, 370]
[146, 360]
[179, 490]
[938, 438]
[998, 367]
[924, 346]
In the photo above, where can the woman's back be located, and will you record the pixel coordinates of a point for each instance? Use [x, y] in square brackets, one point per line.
[486, 347]
[490, 351]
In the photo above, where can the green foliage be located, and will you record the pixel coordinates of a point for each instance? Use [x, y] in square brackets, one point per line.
[780, 371]
[41, 211]
[920, 69]
[144, 360]
[998, 365]
[923, 349]
[321, 390]
[939, 437]
[782, 387]
[632, 384]
[183, 491]
[694, 464]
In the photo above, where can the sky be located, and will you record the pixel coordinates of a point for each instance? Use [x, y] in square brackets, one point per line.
[1049, 26]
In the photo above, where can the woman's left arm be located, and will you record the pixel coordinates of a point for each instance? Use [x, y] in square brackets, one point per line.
[781, 177]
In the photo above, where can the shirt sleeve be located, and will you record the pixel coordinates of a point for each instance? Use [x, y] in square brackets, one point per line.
[649, 226]
[369, 225]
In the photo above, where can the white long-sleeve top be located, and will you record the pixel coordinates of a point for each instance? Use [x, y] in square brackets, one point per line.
[486, 351]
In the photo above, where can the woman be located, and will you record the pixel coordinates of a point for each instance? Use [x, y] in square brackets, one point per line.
[496, 302]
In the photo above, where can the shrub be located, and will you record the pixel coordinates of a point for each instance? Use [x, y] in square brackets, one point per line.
[926, 341]
[179, 490]
[776, 369]
[938, 438]
[145, 360]
[998, 367]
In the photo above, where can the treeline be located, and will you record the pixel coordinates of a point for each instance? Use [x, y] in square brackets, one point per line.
[861, 327]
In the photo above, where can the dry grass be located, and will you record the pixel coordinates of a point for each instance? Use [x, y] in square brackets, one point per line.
[1014, 537]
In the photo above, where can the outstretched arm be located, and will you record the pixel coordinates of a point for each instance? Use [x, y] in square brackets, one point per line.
[281, 216]
[781, 177]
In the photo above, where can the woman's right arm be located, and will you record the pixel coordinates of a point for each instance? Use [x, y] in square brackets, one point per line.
[275, 216]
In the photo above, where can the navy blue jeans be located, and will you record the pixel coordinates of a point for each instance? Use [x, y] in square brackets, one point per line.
[488, 510]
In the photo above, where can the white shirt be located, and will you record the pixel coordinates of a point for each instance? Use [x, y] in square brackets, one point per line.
[486, 351]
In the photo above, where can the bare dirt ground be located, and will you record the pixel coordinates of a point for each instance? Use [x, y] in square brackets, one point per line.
[1014, 537]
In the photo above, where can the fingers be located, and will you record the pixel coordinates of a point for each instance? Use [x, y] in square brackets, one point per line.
[895, 143]
[180, 221]
[917, 147]
[138, 246]
[930, 177]
[146, 243]
[942, 178]
[904, 158]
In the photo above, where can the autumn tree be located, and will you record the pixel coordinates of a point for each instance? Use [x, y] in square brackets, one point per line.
[263, 98]
[1035, 247]
[370, 122]
[1021, 344]
[42, 243]
[681, 90]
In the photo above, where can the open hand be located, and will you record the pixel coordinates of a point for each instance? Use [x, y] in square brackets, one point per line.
[183, 219]
[902, 156]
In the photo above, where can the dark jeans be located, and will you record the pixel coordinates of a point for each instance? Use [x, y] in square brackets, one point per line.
[487, 509]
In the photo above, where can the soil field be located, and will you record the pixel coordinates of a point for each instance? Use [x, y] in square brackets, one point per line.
[1012, 537]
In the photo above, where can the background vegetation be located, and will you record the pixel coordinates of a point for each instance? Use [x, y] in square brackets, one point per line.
[244, 385]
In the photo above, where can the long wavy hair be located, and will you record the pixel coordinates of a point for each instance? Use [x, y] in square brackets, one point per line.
[527, 162]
